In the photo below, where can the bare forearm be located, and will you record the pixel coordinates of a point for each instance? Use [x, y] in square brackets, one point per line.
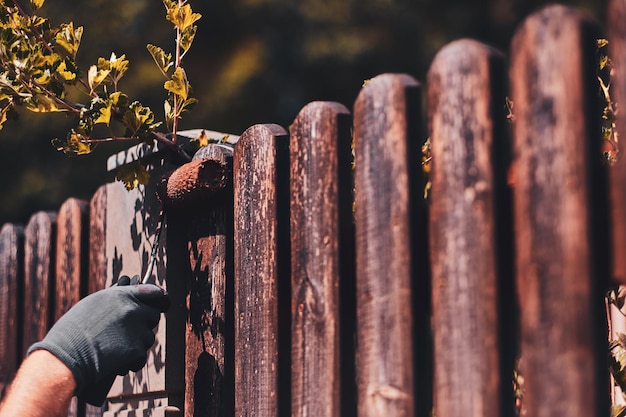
[42, 387]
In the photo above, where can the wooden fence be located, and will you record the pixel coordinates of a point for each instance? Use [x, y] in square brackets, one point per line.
[320, 282]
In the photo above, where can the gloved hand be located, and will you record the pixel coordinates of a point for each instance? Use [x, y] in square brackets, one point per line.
[107, 333]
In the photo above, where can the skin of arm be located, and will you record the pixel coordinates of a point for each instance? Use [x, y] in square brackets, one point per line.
[42, 387]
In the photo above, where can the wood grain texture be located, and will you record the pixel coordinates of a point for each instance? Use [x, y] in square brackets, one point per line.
[384, 131]
[319, 154]
[11, 278]
[553, 88]
[72, 255]
[261, 253]
[39, 253]
[617, 171]
[97, 241]
[461, 95]
[209, 328]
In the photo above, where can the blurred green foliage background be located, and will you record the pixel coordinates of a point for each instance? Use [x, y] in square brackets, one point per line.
[253, 61]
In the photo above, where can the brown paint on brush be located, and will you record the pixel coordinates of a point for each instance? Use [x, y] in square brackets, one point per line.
[197, 181]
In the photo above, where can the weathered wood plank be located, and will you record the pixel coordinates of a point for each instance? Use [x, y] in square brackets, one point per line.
[385, 132]
[209, 329]
[554, 90]
[71, 264]
[72, 255]
[39, 252]
[11, 279]
[321, 214]
[261, 174]
[97, 241]
[462, 95]
[617, 170]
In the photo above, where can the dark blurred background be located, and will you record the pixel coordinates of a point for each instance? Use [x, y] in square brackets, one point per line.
[253, 61]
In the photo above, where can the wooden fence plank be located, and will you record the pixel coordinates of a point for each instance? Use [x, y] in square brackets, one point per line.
[462, 88]
[385, 136]
[39, 252]
[261, 174]
[209, 327]
[11, 276]
[97, 241]
[321, 211]
[130, 224]
[71, 265]
[71, 256]
[554, 90]
[617, 171]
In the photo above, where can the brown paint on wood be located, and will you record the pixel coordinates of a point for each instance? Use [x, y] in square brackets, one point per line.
[384, 133]
[617, 171]
[320, 152]
[11, 276]
[39, 252]
[553, 88]
[462, 229]
[261, 232]
[209, 344]
[71, 255]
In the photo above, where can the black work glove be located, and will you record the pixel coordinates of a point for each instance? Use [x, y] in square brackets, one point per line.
[107, 333]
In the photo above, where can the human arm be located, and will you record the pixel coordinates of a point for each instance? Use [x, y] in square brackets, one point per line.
[43, 387]
[107, 333]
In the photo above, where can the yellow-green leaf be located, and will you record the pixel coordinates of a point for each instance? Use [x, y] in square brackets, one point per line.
[178, 84]
[42, 104]
[96, 76]
[105, 115]
[604, 60]
[68, 74]
[187, 37]
[162, 59]
[36, 4]
[69, 38]
[182, 17]
[133, 175]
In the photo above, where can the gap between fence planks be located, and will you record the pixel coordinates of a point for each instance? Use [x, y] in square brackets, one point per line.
[462, 86]
[554, 90]
[385, 141]
[261, 235]
[321, 261]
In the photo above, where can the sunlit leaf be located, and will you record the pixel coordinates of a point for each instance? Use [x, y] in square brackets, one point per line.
[67, 70]
[73, 145]
[36, 4]
[162, 59]
[96, 76]
[41, 103]
[178, 84]
[69, 38]
[602, 43]
[182, 17]
[169, 114]
[133, 175]
[187, 37]
[138, 118]
[604, 60]
[105, 115]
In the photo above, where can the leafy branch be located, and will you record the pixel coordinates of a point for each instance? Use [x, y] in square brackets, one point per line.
[38, 69]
